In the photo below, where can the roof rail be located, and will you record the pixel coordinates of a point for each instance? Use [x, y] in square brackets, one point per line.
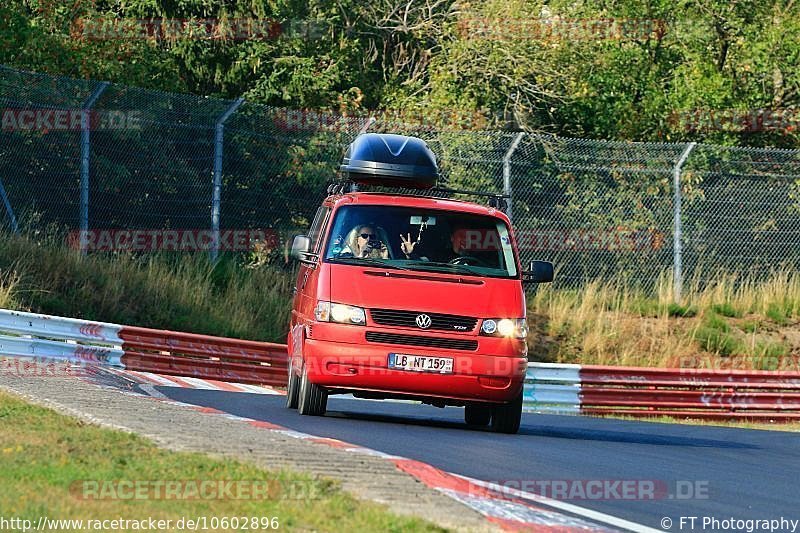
[496, 200]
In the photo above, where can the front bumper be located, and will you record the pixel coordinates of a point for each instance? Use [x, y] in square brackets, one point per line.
[339, 357]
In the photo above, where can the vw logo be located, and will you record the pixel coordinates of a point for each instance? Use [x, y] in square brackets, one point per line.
[423, 321]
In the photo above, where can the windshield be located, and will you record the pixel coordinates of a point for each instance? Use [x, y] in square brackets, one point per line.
[421, 239]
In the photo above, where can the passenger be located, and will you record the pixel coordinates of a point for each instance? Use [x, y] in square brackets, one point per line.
[364, 241]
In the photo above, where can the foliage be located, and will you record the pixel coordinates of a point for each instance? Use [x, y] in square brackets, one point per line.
[627, 69]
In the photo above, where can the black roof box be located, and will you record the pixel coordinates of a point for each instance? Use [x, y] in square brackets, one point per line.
[393, 160]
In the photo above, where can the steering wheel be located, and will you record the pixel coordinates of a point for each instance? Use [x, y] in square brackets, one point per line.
[468, 260]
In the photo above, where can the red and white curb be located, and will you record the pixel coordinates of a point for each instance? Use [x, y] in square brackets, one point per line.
[511, 509]
[185, 382]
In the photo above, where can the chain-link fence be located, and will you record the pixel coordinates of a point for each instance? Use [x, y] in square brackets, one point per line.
[78, 154]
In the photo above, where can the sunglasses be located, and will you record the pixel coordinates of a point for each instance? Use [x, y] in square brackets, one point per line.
[366, 236]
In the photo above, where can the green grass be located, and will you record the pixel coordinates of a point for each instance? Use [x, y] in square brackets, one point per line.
[43, 454]
[714, 321]
[750, 326]
[726, 309]
[777, 313]
[714, 336]
[718, 342]
[683, 311]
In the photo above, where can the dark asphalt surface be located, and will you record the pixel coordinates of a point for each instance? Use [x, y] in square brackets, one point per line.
[745, 474]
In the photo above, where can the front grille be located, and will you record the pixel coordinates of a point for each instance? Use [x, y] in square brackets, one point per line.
[408, 319]
[418, 340]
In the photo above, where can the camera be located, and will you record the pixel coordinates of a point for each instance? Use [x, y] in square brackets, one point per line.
[374, 242]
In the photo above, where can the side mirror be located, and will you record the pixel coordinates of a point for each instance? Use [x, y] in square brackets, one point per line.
[300, 247]
[538, 272]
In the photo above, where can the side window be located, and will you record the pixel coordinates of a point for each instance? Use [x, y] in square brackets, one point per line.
[318, 226]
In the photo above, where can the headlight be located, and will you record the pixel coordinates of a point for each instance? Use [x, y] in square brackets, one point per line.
[505, 327]
[341, 313]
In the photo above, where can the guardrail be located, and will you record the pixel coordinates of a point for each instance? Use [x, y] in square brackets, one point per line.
[143, 349]
[549, 388]
[652, 392]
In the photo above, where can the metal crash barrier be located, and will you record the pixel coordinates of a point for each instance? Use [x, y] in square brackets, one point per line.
[652, 392]
[141, 349]
[549, 387]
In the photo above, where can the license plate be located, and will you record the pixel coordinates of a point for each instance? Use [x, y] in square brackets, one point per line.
[421, 363]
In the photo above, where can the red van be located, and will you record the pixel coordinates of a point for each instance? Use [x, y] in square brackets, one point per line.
[409, 296]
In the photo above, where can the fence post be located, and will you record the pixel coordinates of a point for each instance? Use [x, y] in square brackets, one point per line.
[507, 172]
[85, 127]
[677, 245]
[217, 192]
[11, 218]
[370, 121]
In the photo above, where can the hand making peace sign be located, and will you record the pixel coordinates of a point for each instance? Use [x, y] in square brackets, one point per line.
[407, 245]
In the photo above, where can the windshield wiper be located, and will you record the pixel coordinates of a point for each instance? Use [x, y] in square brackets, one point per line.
[466, 269]
[367, 261]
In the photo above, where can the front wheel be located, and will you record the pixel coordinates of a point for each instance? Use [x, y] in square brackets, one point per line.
[313, 399]
[292, 389]
[477, 415]
[506, 417]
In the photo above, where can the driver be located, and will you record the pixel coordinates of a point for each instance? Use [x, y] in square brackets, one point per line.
[458, 241]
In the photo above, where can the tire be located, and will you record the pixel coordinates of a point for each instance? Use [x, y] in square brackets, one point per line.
[506, 417]
[477, 415]
[313, 400]
[292, 389]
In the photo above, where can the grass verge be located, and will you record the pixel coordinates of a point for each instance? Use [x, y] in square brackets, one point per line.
[179, 291]
[46, 456]
[770, 426]
[726, 323]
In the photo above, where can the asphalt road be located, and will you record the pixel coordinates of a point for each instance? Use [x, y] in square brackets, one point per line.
[706, 471]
